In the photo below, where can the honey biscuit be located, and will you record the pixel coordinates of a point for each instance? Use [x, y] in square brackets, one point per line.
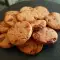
[20, 33]
[31, 47]
[45, 35]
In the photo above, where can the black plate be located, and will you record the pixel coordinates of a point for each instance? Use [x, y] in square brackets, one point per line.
[48, 53]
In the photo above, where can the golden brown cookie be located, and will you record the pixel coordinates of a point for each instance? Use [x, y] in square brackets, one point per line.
[26, 16]
[10, 19]
[53, 20]
[26, 8]
[38, 24]
[45, 35]
[31, 47]
[4, 42]
[12, 12]
[40, 12]
[3, 27]
[20, 33]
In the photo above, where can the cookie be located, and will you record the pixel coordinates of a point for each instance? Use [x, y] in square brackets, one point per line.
[41, 12]
[26, 8]
[3, 27]
[10, 20]
[45, 35]
[4, 42]
[26, 16]
[12, 12]
[31, 47]
[20, 33]
[38, 24]
[53, 20]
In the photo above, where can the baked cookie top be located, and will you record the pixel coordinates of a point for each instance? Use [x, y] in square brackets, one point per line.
[26, 8]
[20, 33]
[31, 47]
[4, 42]
[3, 27]
[36, 25]
[45, 35]
[53, 20]
[10, 19]
[40, 12]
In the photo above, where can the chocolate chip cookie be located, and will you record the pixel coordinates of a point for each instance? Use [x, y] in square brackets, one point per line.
[36, 25]
[3, 27]
[45, 35]
[20, 33]
[4, 42]
[53, 20]
[26, 8]
[41, 12]
[31, 47]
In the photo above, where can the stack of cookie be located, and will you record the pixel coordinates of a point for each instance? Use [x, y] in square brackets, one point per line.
[29, 29]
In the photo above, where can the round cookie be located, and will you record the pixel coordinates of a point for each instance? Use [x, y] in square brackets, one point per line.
[20, 33]
[10, 19]
[53, 20]
[3, 27]
[12, 12]
[45, 35]
[4, 42]
[26, 8]
[41, 12]
[31, 47]
[26, 16]
[38, 24]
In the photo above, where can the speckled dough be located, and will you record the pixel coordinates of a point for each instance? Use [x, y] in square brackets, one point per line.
[31, 47]
[12, 12]
[10, 19]
[26, 8]
[4, 42]
[45, 35]
[20, 33]
[53, 20]
[40, 12]
[3, 27]
[38, 24]
[26, 16]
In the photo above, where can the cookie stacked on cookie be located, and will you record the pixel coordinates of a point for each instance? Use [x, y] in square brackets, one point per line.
[27, 29]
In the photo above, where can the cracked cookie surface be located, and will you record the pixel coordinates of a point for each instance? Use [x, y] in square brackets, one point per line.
[20, 33]
[31, 47]
[45, 35]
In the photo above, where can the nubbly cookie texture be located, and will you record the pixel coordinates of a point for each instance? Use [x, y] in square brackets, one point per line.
[36, 25]
[4, 42]
[45, 35]
[3, 27]
[26, 16]
[26, 8]
[53, 20]
[10, 20]
[20, 33]
[31, 47]
[12, 12]
[40, 12]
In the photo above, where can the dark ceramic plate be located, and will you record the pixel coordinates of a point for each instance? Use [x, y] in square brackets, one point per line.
[48, 53]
